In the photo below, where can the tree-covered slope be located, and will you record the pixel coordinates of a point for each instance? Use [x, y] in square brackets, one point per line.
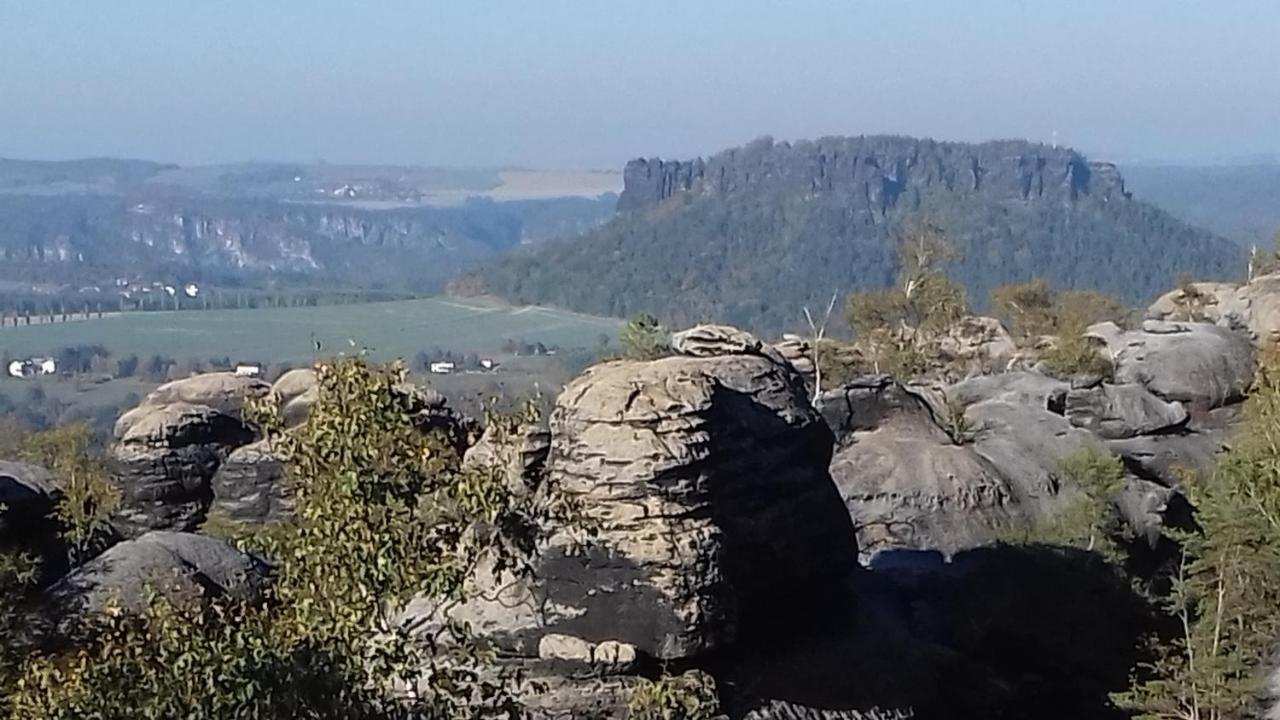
[752, 234]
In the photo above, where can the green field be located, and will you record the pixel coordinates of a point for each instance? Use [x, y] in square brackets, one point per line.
[387, 330]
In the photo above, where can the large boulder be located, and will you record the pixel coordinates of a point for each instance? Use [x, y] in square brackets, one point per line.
[1122, 411]
[225, 392]
[706, 481]
[1200, 364]
[27, 497]
[182, 567]
[163, 459]
[1253, 307]
[905, 481]
[295, 391]
[249, 486]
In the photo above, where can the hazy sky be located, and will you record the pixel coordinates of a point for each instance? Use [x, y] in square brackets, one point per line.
[595, 82]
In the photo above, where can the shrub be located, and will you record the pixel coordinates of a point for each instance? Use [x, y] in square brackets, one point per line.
[691, 696]
[1075, 355]
[644, 339]
[383, 512]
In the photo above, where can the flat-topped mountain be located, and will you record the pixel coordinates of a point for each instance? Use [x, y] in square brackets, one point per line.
[752, 234]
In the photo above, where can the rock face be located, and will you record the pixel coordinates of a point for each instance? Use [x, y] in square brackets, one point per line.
[1254, 307]
[249, 485]
[1115, 412]
[180, 566]
[27, 496]
[1200, 364]
[706, 479]
[164, 458]
[225, 392]
[905, 482]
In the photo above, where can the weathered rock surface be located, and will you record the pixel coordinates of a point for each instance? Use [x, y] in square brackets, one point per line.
[1253, 307]
[249, 485]
[27, 496]
[181, 566]
[1027, 387]
[1201, 364]
[163, 459]
[707, 480]
[1122, 411]
[296, 392]
[225, 392]
[905, 482]
[521, 457]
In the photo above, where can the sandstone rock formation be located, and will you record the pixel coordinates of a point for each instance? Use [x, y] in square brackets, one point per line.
[183, 567]
[249, 485]
[1254, 306]
[164, 457]
[1201, 364]
[706, 478]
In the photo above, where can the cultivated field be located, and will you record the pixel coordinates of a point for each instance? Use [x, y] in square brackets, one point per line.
[387, 330]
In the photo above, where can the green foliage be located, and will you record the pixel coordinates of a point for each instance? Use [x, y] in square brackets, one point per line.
[771, 227]
[1026, 309]
[1032, 309]
[691, 696]
[89, 497]
[956, 423]
[1075, 355]
[1225, 598]
[383, 512]
[1091, 520]
[898, 328]
[644, 339]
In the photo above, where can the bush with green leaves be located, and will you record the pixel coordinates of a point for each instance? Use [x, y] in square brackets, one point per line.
[689, 696]
[1091, 520]
[384, 512]
[643, 338]
[1075, 355]
[897, 329]
[1224, 604]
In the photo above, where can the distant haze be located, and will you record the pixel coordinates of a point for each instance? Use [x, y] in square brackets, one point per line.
[591, 84]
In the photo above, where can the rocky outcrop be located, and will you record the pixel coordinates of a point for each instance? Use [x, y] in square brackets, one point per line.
[249, 485]
[225, 392]
[904, 480]
[182, 567]
[520, 457]
[163, 459]
[295, 392]
[27, 496]
[1114, 412]
[1253, 307]
[705, 477]
[1200, 364]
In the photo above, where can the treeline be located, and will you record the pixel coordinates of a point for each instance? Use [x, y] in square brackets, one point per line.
[30, 309]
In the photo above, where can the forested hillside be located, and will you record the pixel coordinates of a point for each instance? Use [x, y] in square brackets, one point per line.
[752, 234]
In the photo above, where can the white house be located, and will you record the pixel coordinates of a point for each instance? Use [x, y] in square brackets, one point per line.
[33, 368]
[248, 370]
[488, 363]
[191, 290]
[441, 368]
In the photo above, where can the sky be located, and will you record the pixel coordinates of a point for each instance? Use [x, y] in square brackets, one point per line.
[593, 83]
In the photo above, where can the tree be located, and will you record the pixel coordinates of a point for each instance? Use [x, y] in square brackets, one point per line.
[384, 512]
[899, 326]
[1225, 598]
[1027, 309]
[644, 339]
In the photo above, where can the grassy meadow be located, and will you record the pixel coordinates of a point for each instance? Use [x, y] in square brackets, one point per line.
[386, 330]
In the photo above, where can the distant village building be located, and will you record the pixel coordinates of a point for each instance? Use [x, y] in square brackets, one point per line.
[248, 370]
[442, 368]
[34, 367]
[488, 363]
[191, 290]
